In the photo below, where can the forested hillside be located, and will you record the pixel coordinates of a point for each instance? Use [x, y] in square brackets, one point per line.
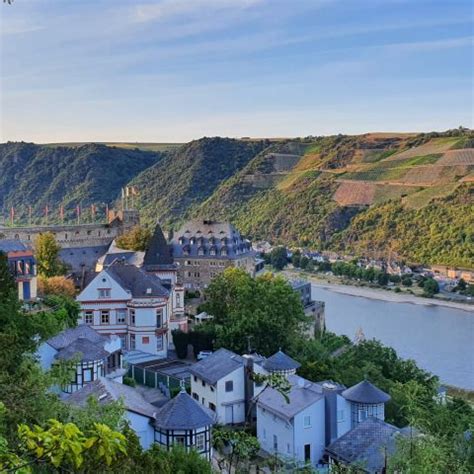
[39, 176]
[185, 177]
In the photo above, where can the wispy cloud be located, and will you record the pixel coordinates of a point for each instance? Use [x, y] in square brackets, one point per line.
[173, 8]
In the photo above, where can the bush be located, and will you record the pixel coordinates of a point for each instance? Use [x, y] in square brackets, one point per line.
[406, 280]
[56, 285]
[397, 290]
[180, 341]
[129, 381]
[430, 287]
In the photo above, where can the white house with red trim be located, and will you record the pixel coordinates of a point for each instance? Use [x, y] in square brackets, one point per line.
[128, 302]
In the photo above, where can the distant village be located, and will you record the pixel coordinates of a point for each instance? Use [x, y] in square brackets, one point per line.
[123, 349]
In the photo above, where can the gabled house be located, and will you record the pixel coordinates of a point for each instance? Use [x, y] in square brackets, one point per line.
[125, 301]
[218, 383]
[94, 355]
[185, 422]
[138, 412]
[293, 428]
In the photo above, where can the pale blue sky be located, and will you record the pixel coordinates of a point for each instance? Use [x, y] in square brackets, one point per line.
[174, 70]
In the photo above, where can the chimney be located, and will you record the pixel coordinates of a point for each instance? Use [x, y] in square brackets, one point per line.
[330, 391]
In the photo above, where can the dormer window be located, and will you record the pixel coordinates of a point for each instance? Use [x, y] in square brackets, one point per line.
[212, 250]
[224, 251]
[181, 240]
[192, 240]
[201, 250]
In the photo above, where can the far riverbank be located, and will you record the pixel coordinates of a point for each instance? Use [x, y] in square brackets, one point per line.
[378, 294]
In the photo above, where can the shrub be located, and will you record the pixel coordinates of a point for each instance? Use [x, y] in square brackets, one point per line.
[129, 381]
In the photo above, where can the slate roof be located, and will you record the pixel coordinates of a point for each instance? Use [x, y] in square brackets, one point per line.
[11, 245]
[183, 413]
[78, 258]
[365, 444]
[209, 236]
[67, 337]
[303, 394]
[88, 350]
[217, 365]
[158, 253]
[129, 257]
[280, 361]
[106, 391]
[139, 283]
[365, 392]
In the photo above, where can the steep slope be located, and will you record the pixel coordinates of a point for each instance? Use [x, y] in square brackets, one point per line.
[337, 178]
[184, 178]
[35, 175]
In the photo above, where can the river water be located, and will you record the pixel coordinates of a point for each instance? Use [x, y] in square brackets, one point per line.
[439, 339]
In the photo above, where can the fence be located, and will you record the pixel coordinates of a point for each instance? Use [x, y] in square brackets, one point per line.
[166, 383]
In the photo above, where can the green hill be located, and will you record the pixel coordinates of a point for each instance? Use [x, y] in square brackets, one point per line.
[185, 177]
[37, 175]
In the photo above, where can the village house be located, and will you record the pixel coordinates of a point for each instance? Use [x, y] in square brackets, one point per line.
[22, 265]
[138, 412]
[184, 421]
[93, 354]
[125, 301]
[203, 249]
[218, 383]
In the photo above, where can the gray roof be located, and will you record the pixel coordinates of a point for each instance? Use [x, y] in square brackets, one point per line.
[303, 394]
[217, 365]
[86, 349]
[130, 257]
[158, 253]
[280, 361]
[11, 245]
[202, 238]
[183, 413]
[365, 392]
[78, 258]
[68, 336]
[365, 444]
[106, 391]
[135, 280]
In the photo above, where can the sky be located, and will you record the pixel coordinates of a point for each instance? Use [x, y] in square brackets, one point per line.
[176, 70]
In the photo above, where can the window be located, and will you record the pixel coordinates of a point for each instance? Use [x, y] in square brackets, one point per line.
[307, 422]
[86, 375]
[104, 293]
[195, 379]
[123, 340]
[180, 440]
[340, 416]
[362, 414]
[159, 343]
[264, 433]
[203, 383]
[132, 317]
[105, 316]
[89, 317]
[203, 401]
[229, 386]
[159, 317]
[212, 388]
[307, 452]
[195, 396]
[200, 442]
[178, 300]
[145, 340]
[212, 406]
[275, 442]
[288, 448]
[121, 316]
[133, 343]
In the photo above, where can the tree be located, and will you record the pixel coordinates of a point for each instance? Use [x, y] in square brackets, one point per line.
[279, 258]
[382, 279]
[304, 261]
[56, 285]
[180, 342]
[265, 312]
[430, 287]
[295, 259]
[47, 255]
[136, 239]
[236, 447]
[461, 285]
[406, 281]
[7, 283]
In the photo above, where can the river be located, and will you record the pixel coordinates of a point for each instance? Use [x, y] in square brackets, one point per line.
[439, 339]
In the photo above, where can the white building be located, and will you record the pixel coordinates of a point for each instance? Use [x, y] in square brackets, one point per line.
[218, 382]
[96, 355]
[138, 412]
[124, 300]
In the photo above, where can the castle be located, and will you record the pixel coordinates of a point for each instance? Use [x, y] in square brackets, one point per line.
[77, 235]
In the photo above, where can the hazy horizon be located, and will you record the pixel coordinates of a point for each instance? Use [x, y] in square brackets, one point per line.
[170, 71]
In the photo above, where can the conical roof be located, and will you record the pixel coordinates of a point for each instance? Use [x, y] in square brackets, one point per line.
[158, 252]
[280, 362]
[183, 413]
[365, 392]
